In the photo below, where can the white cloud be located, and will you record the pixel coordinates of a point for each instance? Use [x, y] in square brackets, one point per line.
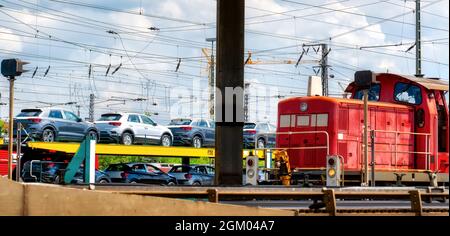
[11, 42]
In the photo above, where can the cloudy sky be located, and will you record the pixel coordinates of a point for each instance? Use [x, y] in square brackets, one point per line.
[155, 49]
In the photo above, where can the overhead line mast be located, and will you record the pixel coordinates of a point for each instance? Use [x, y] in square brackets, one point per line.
[418, 41]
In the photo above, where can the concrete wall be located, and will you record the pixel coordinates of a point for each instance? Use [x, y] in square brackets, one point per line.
[18, 199]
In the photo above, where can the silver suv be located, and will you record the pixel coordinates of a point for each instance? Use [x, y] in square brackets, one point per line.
[132, 128]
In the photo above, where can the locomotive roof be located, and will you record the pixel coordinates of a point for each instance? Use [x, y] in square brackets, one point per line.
[428, 83]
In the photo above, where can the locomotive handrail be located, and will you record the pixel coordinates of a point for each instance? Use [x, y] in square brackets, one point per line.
[397, 133]
[296, 148]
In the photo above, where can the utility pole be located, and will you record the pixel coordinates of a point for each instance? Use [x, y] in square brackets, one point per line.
[418, 41]
[323, 63]
[10, 126]
[246, 100]
[211, 80]
[324, 69]
[11, 68]
[91, 107]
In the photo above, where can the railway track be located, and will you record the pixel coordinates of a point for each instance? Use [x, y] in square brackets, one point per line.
[328, 201]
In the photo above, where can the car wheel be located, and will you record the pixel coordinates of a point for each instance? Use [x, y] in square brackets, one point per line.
[92, 134]
[171, 183]
[133, 182]
[261, 143]
[57, 180]
[197, 142]
[196, 183]
[166, 140]
[48, 136]
[103, 181]
[127, 139]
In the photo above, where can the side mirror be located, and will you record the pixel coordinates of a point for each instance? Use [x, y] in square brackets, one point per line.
[79, 120]
[155, 124]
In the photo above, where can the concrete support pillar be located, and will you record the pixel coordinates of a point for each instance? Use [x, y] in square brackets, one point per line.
[230, 86]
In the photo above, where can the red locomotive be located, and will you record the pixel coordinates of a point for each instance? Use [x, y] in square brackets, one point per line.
[407, 115]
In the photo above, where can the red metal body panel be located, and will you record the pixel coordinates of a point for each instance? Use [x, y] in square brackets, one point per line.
[4, 163]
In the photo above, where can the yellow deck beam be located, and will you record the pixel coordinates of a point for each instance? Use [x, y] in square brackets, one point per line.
[134, 150]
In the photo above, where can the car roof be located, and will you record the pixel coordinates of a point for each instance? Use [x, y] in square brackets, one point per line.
[194, 165]
[46, 109]
[122, 113]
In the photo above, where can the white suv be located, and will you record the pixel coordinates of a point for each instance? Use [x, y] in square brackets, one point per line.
[132, 128]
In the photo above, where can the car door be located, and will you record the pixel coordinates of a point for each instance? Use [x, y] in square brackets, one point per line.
[151, 131]
[204, 174]
[154, 176]
[76, 128]
[140, 171]
[134, 123]
[56, 119]
[206, 130]
[115, 171]
[210, 175]
[212, 132]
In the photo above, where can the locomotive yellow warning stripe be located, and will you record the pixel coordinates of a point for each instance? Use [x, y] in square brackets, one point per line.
[135, 150]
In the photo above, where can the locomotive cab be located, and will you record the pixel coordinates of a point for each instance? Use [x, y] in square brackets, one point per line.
[427, 97]
[408, 115]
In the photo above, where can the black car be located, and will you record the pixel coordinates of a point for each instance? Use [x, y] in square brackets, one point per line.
[193, 132]
[261, 134]
[143, 173]
[51, 172]
[36, 171]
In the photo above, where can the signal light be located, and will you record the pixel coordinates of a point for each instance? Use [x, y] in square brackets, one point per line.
[250, 162]
[331, 162]
[331, 172]
[115, 123]
[13, 67]
[251, 173]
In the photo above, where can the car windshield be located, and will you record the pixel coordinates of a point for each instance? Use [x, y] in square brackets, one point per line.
[29, 113]
[153, 169]
[180, 122]
[110, 117]
[249, 125]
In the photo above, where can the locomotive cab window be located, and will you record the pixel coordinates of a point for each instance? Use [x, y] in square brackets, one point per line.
[285, 121]
[374, 93]
[408, 93]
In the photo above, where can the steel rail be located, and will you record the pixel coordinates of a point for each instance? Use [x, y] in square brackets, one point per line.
[327, 196]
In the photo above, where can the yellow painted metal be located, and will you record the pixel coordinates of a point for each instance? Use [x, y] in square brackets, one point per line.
[136, 150]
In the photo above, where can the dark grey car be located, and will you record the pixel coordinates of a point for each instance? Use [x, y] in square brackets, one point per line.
[193, 132]
[53, 124]
[262, 134]
[193, 175]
